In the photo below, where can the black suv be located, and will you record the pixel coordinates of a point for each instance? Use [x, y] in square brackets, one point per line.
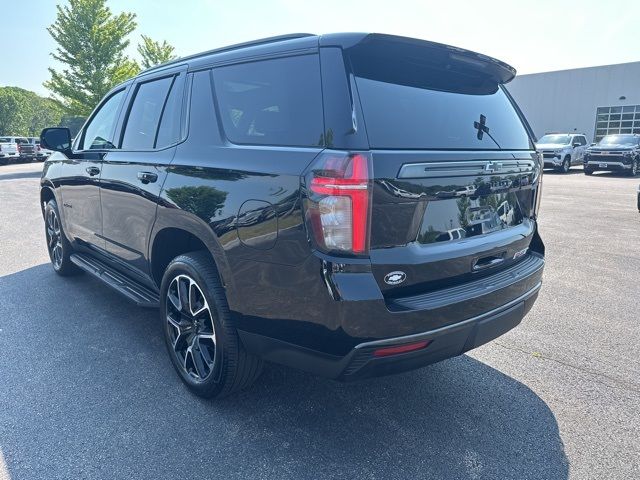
[614, 153]
[350, 204]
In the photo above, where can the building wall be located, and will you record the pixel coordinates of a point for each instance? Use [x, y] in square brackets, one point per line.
[566, 101]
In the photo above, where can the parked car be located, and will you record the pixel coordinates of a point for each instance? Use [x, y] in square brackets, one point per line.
[8, 150]
[41, 154]
[562, 150]
[26, 149]
[614, 153]
[272, 221]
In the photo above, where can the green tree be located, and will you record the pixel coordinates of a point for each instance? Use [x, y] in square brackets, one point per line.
[23, 112]
[12, 114]
[91, 43]
[154, 53]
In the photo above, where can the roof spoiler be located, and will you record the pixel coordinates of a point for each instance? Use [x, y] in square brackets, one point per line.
[498, 71]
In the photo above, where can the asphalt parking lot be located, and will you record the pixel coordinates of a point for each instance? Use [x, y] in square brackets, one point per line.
[87, 390]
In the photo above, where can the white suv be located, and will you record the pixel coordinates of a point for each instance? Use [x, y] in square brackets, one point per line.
[561, 150]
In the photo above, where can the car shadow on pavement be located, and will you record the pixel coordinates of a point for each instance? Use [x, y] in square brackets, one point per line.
[19, 175]
[87, 390]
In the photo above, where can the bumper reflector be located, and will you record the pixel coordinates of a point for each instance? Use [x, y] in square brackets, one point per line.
[409, 347]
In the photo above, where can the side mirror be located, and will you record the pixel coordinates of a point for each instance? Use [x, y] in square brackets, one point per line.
[58, 139]
[594, 143]
[576, 144]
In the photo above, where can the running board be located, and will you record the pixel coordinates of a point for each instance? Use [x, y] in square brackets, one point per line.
[138, 294]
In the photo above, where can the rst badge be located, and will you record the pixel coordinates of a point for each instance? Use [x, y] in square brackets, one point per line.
[520, 253]
[395, 278]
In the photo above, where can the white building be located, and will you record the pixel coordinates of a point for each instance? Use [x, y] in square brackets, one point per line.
[595, 101]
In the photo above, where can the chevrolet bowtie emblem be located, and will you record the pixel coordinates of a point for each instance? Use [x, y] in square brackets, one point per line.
[492, 167]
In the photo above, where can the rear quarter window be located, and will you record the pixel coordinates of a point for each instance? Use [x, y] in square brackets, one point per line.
[271, 102]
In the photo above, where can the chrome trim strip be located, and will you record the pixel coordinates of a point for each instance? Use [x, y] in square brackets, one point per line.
[614, 154]
[466, 168]
[619, 164]
[420, 336]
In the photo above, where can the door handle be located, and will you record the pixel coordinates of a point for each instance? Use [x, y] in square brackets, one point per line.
[93, 171]
[147, 177]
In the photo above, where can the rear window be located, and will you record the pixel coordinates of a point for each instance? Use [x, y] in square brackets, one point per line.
[271, 102]
[414, 102]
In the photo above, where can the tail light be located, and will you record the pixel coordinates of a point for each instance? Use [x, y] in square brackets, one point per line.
[338, 202]
[538, 195]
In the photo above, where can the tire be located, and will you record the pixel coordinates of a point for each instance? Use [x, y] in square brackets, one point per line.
[588, 172]
[566, 165]
[634, 169]
[58, 246]
[199, 332]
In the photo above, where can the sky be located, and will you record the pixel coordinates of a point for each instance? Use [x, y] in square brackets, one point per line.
[532, 36]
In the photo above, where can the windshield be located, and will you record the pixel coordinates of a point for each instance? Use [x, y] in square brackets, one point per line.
[619, 140]
[561, 139]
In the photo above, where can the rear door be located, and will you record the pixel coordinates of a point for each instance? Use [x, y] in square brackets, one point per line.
[454, 165]
[579, 151]
[133, 174]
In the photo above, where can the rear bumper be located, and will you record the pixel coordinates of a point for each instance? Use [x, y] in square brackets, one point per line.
[362, 362]
[452, 320]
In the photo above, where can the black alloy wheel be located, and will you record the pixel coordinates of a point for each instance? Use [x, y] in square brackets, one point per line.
[190, 328]
[58, 246]
[54, 240]
[199, 330]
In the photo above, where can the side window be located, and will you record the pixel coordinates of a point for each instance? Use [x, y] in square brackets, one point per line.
[169, 129]
[582, 140]
[202, 114]
[99, 132]
[271, 102]
[144, 116]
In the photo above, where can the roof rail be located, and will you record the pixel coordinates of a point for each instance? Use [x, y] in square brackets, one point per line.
[237, 46]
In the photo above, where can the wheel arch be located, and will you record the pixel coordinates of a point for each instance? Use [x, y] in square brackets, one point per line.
[177, 232]
[47, 193]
